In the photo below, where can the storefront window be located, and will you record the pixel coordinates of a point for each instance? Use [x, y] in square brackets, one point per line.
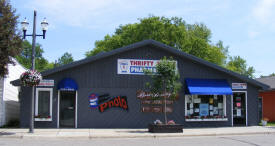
[205, 107]
[43, 110]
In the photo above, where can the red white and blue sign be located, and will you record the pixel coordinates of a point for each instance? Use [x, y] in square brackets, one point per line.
[93, 100]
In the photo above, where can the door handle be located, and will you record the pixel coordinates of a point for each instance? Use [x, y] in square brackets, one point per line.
[70, 108]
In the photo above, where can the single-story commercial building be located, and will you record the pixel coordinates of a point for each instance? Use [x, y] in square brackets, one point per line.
[108, 91]
[268, 98]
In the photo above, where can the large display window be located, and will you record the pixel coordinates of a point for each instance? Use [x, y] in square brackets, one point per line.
[205, 108]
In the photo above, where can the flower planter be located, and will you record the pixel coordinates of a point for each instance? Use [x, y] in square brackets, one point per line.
[264, 122]
[165, 128]
[30, 78]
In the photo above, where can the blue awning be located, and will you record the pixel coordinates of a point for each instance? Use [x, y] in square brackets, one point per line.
[208, 87]
[67, 84]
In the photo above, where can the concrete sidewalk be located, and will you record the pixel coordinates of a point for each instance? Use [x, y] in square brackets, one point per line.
[131, 133]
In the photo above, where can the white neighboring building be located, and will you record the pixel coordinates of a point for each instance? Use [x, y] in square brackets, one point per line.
[9, 102]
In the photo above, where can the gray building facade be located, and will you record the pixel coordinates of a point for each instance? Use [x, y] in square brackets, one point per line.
[99, 75]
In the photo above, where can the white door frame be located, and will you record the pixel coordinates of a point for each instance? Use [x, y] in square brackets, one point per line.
[58, 111]
[245, 106]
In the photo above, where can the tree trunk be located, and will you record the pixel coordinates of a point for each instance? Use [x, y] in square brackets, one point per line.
[165, 115]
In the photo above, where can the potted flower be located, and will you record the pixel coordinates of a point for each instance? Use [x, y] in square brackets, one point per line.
[30, 78]
[264, 121]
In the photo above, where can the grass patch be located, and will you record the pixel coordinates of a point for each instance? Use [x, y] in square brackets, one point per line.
[268, 124]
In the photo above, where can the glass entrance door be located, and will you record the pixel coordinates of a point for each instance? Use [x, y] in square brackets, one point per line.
[239, 109]
[67, 109]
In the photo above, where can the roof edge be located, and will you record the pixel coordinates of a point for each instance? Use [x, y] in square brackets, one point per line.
[160, 45]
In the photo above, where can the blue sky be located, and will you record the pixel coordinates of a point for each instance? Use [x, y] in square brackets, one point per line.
[247, 26]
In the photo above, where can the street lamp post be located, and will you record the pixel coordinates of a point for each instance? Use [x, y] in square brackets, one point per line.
[44, 26]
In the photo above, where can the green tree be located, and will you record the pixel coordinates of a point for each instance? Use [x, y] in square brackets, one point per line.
[238, 64]
[65, 59]
[165, 80]
[10, 40]
[270, 75]
[41, 64]
[190, 38]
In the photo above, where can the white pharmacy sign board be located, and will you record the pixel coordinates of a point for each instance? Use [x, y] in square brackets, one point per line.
[239, 86]
[136, 66]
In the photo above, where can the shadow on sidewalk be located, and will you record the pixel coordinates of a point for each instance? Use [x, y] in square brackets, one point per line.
[273, 127]
[6, 133]
[132, 131]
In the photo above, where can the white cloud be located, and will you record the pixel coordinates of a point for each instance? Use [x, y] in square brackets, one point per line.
[76, 12]
[98, 13]
[264, 11]
[253, 34]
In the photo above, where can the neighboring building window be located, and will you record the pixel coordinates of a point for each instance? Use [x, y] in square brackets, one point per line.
[205, 107]
[43, 106]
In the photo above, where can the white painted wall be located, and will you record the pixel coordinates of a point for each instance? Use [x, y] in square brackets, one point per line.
[1, 102]
[10, 101]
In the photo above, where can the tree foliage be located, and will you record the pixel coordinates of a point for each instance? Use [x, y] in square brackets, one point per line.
[65, 59]
[166, 77]
[193, 39]
[25, 57]
[270, 75]
[238, 64]
[10, 41]
[190, 38]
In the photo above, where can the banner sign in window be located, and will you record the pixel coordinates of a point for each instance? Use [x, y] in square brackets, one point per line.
[239, 86]
[136, 66]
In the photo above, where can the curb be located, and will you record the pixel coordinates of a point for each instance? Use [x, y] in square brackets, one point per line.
[147, 135]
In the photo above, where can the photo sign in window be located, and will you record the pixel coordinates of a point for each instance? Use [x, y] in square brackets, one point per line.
[205, 107]
[136, 66]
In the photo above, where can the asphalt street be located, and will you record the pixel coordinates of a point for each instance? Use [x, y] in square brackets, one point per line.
[244, 140]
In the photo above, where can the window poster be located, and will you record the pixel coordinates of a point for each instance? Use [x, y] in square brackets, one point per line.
[210, 100]
[191, 111]
[197, 110]
[191, 105]
[210, 107]
[238, 98]
[197, 100]
[215, 110]
[211, 113]
[238, 104]
[239, 112]
[204, 110]
[220, 105]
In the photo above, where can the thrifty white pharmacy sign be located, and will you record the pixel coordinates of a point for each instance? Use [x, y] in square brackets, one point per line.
[135, 66]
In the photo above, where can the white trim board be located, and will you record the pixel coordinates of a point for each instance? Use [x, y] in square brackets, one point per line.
[75, 118]
[58, 101]
[36, 103]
